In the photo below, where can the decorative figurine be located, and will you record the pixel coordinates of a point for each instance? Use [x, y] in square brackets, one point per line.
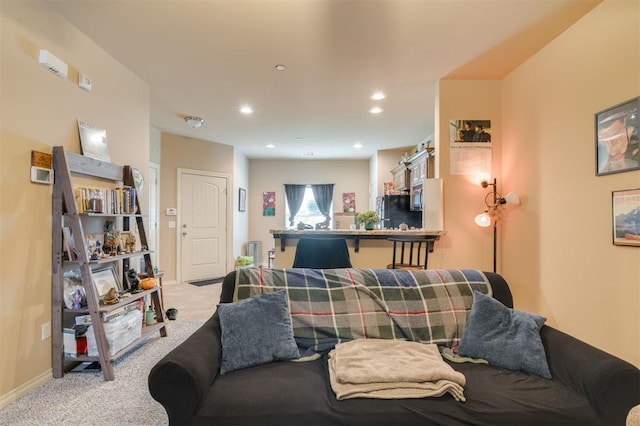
[134, 280]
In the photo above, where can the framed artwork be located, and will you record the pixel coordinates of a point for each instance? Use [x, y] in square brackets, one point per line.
[105, 279]
[616, 134]
[626, 217]
[93, 141]
[269, 203]
[242, 200]
[348, 202]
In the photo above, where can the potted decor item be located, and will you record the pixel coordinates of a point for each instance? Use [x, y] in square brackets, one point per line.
[368, 219]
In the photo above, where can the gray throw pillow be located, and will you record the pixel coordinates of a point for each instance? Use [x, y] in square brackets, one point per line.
[256, 331]
[505, 337]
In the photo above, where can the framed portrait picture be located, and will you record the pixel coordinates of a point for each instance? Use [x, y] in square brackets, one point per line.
[242, 199]
[616, 130]
[626, 217]
[105, 279]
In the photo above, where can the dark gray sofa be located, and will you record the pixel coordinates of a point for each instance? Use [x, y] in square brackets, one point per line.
[589, 387]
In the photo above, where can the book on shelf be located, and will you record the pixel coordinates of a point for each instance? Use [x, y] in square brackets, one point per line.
[120, 200]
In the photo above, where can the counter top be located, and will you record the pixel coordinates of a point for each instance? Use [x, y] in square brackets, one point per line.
[359, 232]
[355, 234]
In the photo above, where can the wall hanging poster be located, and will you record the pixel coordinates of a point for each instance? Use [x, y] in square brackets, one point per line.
[617, 148]
[470, 147]
[349, 202]
[626, 217]
[269, 203]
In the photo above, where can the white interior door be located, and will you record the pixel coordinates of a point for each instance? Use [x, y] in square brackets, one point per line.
[202, 227]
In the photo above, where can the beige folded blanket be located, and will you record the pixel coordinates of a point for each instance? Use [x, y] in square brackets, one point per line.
[391, 369]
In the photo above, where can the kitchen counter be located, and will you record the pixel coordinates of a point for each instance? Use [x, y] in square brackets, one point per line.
[352, 234]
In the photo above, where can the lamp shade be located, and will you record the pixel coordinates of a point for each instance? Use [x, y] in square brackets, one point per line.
[512, 198]
[483, 219]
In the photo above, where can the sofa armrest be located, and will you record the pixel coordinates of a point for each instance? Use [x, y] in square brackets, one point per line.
[611, 384]
[181, 379]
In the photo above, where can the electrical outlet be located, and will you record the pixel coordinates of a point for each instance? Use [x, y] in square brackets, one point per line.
[46, 330]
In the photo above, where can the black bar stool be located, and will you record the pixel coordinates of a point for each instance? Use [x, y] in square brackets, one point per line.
[413, 252]
[322, 253]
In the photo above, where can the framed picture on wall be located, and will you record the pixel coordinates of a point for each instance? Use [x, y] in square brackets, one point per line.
[616, 131]
[269, 203]
[626, 217]
[242, 199]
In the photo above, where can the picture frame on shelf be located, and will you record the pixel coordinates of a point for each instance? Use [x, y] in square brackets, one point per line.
[104, 279]
[93, 141]
[242, 199]
[69, 245]
[616, 138]
[625, 206]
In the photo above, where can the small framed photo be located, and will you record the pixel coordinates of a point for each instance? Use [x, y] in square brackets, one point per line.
[242, 199]
[105, 279]
[626, 217]
[616, 130]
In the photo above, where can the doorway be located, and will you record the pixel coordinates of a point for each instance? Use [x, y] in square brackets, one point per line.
[202, 225]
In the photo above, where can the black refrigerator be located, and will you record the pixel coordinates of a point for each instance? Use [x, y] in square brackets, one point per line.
[396, 209]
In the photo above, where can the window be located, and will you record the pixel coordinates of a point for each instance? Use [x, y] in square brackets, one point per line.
[309, 212]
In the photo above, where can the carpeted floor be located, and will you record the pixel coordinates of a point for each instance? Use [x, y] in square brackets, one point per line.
[86, 399]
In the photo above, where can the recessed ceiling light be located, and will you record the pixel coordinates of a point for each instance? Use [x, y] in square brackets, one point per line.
[246, 110]
[298, 138]
[270, 146]
[378, 96]
[307, 154]
[280, 67]
[357, 145]
[375, 110]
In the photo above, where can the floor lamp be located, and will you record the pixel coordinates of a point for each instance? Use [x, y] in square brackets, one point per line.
[494, 203]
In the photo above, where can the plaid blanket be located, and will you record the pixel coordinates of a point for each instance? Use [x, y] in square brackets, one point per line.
[332, 305]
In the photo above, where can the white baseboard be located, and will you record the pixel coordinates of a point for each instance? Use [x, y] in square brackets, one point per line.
[25, 388]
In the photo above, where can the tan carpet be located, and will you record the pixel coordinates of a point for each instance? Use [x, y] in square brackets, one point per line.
[86, 399]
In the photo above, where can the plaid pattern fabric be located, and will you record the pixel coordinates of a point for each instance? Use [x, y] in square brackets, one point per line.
[332, 305]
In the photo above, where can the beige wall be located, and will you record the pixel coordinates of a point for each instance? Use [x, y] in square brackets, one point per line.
[187, 153]
[240, 219]
[39, 111]
[271, 175]
[387, 160]
[466, 245]
[558, 255]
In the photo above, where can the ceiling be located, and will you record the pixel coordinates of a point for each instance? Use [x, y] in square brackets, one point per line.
[210, 57]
